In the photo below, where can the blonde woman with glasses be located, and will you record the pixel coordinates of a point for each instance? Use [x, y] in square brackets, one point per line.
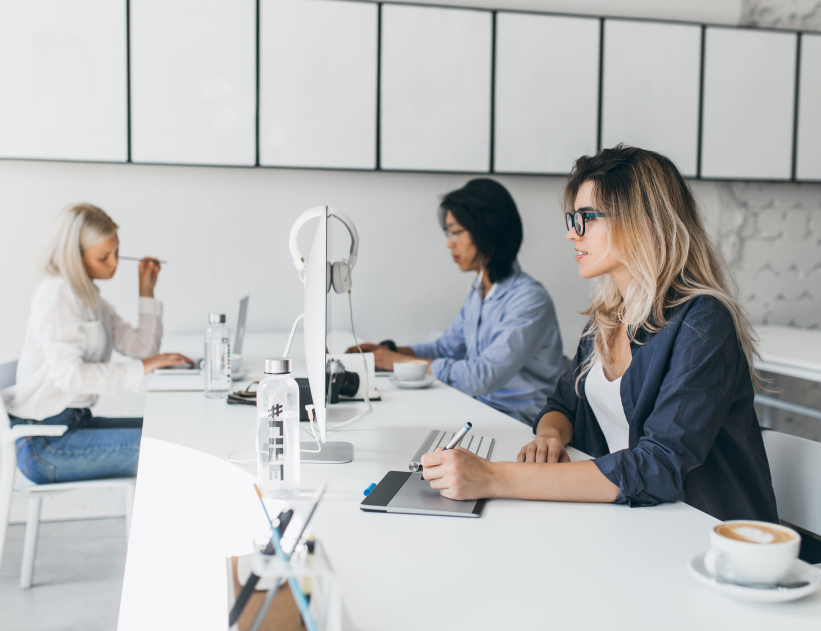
[65, 363]
[660, 392]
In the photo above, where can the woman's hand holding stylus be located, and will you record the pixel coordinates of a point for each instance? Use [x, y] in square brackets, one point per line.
[459, 474]
[148, 269]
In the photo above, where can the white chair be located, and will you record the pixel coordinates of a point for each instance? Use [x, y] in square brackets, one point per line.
[795, 464]
[12, 480]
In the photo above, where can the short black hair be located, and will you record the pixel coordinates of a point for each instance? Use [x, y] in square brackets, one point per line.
[486, 210]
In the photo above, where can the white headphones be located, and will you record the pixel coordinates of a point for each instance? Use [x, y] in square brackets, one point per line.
[339, 273]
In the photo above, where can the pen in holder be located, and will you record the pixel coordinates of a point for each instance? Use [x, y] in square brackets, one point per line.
[310, 580]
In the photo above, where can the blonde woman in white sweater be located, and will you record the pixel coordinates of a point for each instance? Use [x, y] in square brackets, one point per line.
[65, 363]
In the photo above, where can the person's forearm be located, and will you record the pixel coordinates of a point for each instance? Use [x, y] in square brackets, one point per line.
[555, 425]
[405, 350]
[558, 482]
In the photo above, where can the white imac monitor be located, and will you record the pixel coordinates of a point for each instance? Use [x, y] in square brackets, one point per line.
[316, 320]
[317, 284]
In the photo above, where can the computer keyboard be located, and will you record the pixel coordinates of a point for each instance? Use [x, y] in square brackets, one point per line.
[479, 445]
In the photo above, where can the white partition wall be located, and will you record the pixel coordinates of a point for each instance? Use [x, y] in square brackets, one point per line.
[435, 89]
[749, 95]
[193, 81]
[651, 88]
[808, 153]
[318, 65]
[63, 80]
[546, 92]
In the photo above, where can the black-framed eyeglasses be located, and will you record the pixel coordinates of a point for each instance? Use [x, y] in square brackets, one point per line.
[579, 218]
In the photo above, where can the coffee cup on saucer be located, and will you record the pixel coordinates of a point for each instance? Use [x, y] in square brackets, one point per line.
[411, 370]
[752, 552]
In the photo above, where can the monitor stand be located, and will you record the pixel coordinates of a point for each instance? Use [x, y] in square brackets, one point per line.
[332, 453]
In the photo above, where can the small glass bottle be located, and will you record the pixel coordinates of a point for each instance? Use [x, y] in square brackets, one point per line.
[216, 369]
[278, 431]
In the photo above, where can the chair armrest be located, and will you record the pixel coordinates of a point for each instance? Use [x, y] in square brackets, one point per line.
[22, 431]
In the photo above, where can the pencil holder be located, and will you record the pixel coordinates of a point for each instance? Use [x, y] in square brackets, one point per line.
[315, 578]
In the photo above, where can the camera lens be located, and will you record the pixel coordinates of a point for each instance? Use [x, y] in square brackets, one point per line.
[348, 383]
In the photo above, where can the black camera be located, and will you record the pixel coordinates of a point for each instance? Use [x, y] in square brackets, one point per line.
[339, 381]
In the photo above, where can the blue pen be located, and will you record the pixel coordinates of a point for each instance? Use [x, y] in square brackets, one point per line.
[457, 438]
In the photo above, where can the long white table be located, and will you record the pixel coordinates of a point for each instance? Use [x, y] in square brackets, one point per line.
[521, 565]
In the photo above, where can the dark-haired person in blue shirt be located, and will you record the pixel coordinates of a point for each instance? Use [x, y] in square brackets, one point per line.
[504, 347]
[660, 392]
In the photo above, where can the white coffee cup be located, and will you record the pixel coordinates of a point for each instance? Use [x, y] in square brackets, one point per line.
[752, 552]
[412, 370]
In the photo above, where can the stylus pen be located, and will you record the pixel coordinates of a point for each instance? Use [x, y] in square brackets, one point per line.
[458, 436]
[145, 258]
[253, 579]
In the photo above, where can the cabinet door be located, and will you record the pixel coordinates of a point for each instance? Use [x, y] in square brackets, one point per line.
[318, 63]
[435, 89]
[193, 81]
[63, 80]
[749, 94]
[651, 88]
[808, 154]
[547, 92]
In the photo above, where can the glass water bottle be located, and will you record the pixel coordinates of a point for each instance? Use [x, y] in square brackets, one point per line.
[216, 369]
[278, 431]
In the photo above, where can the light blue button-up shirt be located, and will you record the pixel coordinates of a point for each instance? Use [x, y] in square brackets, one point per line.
[505, 350]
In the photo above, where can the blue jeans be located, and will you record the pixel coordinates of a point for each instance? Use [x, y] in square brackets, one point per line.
[92, 447]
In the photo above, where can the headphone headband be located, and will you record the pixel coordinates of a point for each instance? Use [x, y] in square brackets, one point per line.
[320, 212]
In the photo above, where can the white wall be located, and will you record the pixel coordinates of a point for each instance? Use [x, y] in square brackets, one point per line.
[225, 233]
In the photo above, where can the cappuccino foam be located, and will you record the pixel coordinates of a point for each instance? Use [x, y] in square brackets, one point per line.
[753, 533]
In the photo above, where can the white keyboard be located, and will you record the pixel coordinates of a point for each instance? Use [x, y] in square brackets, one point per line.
[479, 445]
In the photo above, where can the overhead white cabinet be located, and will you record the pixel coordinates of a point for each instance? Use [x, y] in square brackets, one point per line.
[651, 88]
[749, 96]
[808, 154]
[435, 89]
[193, 81]
[318, 67]
[63, 80]
[546, 92]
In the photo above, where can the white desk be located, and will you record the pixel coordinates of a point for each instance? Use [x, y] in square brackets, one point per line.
[794, 353]
[521, 565]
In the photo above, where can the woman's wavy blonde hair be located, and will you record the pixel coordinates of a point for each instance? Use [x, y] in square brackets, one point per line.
[656, 231]
[76, 228]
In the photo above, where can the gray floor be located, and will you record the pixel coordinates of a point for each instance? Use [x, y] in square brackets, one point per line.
[78, 577]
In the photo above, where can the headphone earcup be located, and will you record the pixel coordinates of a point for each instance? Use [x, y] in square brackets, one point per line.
[341, 277]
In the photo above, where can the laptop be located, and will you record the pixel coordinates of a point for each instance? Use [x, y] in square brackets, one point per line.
[236, 370]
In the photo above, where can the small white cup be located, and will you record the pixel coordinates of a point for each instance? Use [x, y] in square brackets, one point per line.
[752, 563]
[236, 363]
[413, 370]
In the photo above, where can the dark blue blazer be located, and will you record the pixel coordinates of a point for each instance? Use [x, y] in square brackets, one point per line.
[694, 435]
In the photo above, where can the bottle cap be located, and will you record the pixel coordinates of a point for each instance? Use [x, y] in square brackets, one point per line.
[216, 318]
[278, 366]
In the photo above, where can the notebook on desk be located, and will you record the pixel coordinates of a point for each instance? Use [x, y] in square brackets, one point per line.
[408, 492]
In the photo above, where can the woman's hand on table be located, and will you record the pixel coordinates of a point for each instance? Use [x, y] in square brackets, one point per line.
[367, 347]
[165, 360]
[543, 449]
[459, 474]
[383, 357]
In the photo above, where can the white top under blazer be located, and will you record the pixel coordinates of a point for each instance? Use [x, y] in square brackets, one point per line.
[605, 399]
[65, 362]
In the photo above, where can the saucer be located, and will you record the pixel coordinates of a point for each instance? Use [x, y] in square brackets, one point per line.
[801, 572]
[411, 385]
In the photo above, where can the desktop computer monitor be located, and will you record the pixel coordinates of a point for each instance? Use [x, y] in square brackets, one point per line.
[316, 319]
